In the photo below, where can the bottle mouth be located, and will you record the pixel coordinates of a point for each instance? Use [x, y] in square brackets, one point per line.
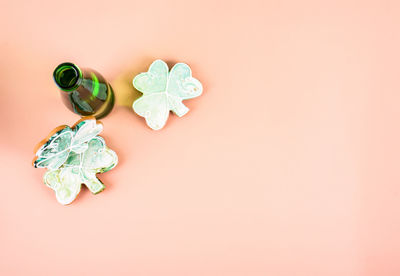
[66, 75]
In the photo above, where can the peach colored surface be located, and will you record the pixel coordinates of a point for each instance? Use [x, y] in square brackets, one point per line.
[288, 164]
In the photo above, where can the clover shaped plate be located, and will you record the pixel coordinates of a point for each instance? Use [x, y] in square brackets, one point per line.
[73, 156]
[164, 91]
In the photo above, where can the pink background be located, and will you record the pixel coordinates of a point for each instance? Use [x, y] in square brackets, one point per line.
[288, 164]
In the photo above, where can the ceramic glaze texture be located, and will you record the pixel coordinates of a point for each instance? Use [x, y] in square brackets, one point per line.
[73, 156]
[164, 91]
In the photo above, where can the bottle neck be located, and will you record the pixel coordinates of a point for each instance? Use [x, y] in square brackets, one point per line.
[67, 76]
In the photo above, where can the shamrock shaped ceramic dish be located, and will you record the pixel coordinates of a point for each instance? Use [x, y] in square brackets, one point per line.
[164, 91]
[73, 156]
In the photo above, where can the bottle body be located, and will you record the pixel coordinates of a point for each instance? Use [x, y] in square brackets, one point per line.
[84, 91]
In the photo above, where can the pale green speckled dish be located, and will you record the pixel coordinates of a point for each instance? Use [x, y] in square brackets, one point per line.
[73, 156]
[164, 91]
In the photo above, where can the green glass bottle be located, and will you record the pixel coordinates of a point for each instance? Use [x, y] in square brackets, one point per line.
[84, 91]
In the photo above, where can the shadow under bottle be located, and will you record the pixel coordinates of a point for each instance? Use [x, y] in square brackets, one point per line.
[84, 91]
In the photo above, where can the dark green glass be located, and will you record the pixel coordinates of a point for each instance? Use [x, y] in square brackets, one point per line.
[84, 91]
